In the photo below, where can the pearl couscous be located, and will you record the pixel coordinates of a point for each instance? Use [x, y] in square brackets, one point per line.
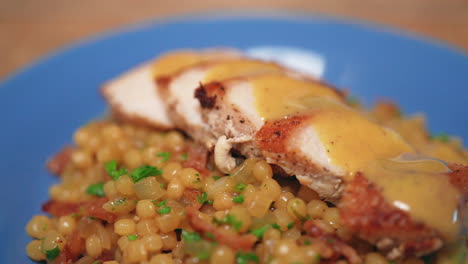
[128, 194]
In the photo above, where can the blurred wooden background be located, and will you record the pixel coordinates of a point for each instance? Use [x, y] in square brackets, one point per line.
[31, 28]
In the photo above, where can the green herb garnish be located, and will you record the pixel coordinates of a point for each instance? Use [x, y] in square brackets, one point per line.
[245, 258]
[164, 155]
[203, 255]
[209, 235]
[442, 137]
[184, 156]
[238, 199]
[260, 231]
[307, 242]
[240, 187]
[144, 171]
[53, 253]
[96, 189]
[216, 178]
[190, 236]
[203, 198]
[132, 237]
[164, 210]
[276, 226]
[229, 220]
[111, 169]
[290, 225]
[162, 203]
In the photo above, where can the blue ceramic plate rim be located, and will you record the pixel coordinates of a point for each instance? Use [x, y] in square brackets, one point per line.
[13, 246]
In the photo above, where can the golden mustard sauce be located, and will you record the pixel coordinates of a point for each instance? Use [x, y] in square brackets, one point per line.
[277, 96]
[420, 188]
[355, 143]
[350, 139]
[239, 68]
[175, 61]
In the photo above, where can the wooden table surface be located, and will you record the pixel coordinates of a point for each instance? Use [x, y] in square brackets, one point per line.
[31, 28]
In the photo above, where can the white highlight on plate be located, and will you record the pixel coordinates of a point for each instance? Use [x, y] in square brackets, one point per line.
[302, 60]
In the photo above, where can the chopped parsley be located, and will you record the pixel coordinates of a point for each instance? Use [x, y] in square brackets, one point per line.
[164, 210]
[317, 259]
[204, 255]
[164, 155]
[330, 240]
[276, 226]
[245, 258]
[202, 198]
[229, 220]
[442, 137]
[209, 235]
[132, 237]
[260, 231]
[144, 171]
[238, 199]
[97, 262]
[351, 100]
[240, 187]
[96, 189]
[53, 253]
[307, 242]
[184, 156]
[111, 169]
[216, 178]
[290, 225]
[162, 203]
[190, 236]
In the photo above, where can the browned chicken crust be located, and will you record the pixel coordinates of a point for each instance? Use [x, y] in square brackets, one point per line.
[364, 210]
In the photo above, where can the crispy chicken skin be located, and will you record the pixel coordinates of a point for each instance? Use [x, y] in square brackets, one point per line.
[364, 210]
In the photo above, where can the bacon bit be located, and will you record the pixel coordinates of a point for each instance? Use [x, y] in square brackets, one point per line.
[225, 237]
[64, 257]
[339, 247]
[190, 198]
[75, 245]
[57, 164]
[106, 256]
[91, 208]
[94, 209]
[57, 208]
[459, 177]
[197, 159]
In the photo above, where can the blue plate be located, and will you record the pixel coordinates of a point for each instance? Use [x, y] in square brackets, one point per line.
[42, 105]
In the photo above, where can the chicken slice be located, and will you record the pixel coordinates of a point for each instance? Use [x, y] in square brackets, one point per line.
[133, 96]
[310, 133]
[178, 90]
[230, 109]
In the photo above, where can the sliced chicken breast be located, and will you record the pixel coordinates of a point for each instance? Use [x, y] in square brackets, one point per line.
[309, 132]
[178, 90]
[133, 96]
